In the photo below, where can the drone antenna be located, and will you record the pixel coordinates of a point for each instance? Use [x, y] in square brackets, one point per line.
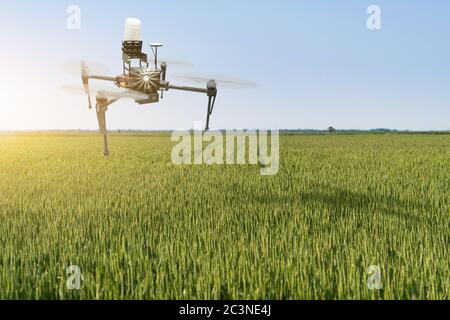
[155, 47]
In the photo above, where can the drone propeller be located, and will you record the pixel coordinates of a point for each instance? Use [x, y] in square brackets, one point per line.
[85, 80]
[73, 67]
[106, 92]
[175, 63]
[87, 69]
[222, 81]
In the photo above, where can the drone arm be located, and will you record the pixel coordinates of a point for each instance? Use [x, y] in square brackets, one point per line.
[191, 89]
[104, 78]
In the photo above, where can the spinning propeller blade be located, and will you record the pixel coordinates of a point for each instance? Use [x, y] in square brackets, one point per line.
[87, 69]
[73, 67]
[222, 81]
[106, 92]
[85, 80]
[175, 63]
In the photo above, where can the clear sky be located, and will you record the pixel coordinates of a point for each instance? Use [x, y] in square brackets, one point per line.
[316, 62]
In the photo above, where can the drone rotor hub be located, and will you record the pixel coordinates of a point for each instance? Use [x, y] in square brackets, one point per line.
[212, 84]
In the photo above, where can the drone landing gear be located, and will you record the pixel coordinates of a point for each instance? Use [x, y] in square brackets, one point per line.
[211, 102]
[102, 107]
[211, 91]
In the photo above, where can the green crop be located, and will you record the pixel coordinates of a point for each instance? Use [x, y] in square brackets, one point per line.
[140, 227]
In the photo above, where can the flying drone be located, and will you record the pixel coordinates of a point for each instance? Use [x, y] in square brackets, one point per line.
[142, 81]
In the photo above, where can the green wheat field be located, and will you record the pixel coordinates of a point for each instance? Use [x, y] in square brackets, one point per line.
[140, 227]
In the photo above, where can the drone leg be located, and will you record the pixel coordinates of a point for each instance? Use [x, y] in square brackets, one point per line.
[211, 102]
[106, 152]
[101, 116]
[211, 91]
[208, 114]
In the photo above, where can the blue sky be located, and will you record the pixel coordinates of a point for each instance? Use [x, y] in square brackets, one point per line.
[316, 63]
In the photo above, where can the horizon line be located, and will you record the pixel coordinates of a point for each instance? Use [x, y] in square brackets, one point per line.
[235, 129]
